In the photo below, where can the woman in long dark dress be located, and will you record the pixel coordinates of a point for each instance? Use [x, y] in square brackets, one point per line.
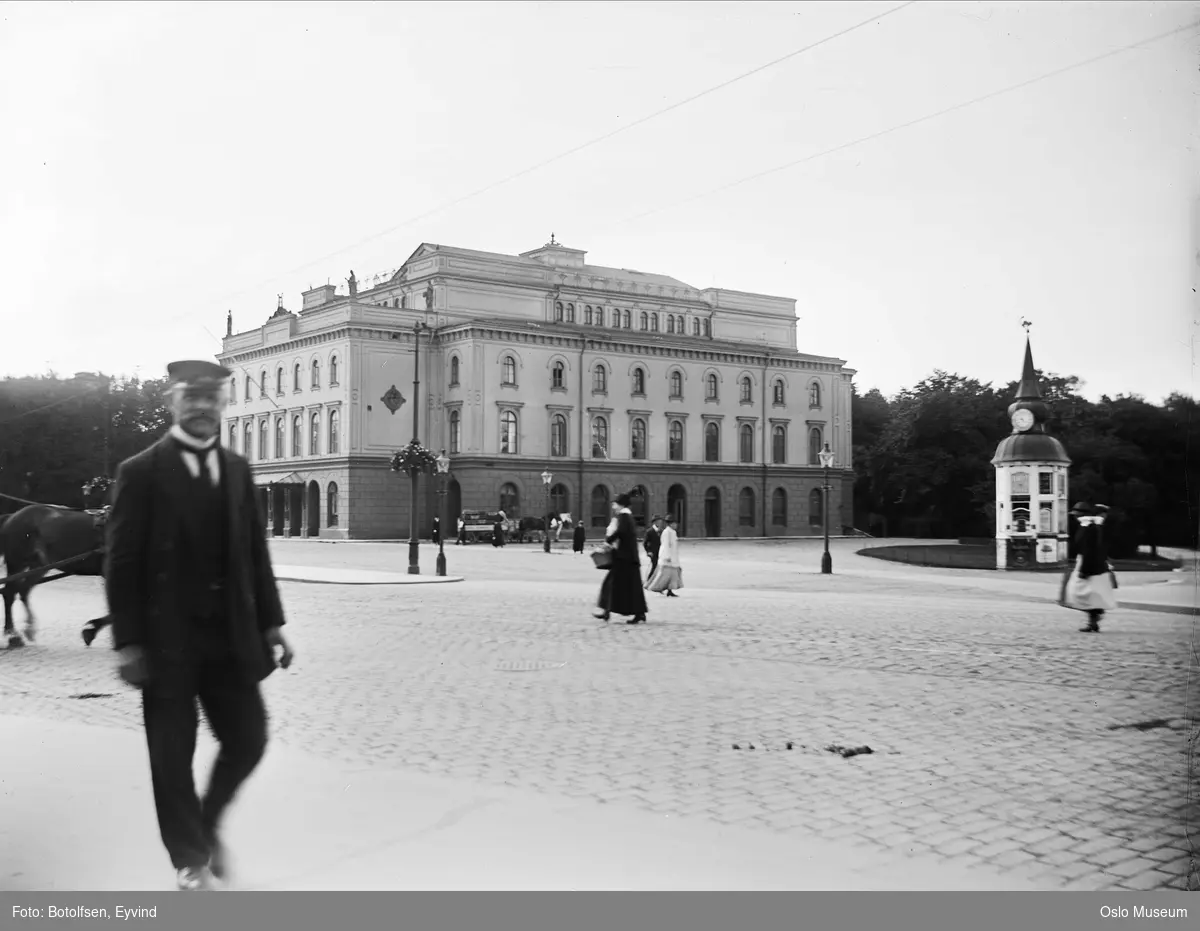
[578, 537]
[621, 592]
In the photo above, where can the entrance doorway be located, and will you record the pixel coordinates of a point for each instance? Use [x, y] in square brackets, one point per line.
[314, 509]
[677, 507]
[712, 512]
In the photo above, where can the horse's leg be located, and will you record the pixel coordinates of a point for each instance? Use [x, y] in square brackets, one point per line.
[93, 627]
[30, 620]
[10, 631]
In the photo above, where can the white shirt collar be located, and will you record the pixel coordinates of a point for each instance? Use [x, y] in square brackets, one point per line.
[190, 441]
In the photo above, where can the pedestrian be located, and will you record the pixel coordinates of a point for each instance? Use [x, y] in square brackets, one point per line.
[462, 533]
[621, 592]
[195, 614]
[498, 532]
[578, 537]
[1089, 585]
[651, 544]
[437, 530]
[669, 577]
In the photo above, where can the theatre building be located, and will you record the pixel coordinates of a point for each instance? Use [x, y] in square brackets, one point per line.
[609, 379]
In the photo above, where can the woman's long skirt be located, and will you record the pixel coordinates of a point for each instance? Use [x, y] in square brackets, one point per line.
[1095, 593]
[621, 592]
[666, 579]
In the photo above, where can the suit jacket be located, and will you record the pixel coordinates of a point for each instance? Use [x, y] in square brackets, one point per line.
[144, 563]
[624, 540]
[652, 542]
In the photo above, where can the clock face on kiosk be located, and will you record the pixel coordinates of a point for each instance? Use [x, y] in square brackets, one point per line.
[1022, 420]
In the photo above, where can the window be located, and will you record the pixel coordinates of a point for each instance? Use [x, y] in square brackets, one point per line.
[587, 314]
[747, 390]
[600, 507]
[599, 380]
[233, 391]
[814, 394]
[510, 499]
[746, 443]
[639, 381]
[777, 391]
[675, 441]
[558, 435]
[679, 325]
[248, 441]
[670, 324]
[710, 385]
[334, 423]
[638, 439]
[599, 438]
[616, 318]
[279, 380]
[695, 326]
[779, 445]
[455, 431]
[814, 446]
[677, 384]
[232, 441]
[779, 508]
[560, 499]
[654, 323]
[708, 328]
[599, 316]
[509, 376]
[316, 374]
[557, 374]
[453, 371]
[508, 432]
[746, 507]
[331, 505]
[712, 442]
[262, 383]
[314, 435]
[248, 392]
[333, 372]
[297, 438]
[558, 312]
[645, 319]
[263, 453]
[570, 313]
[814, 509]
[296, 386]
[1045, 483]
[625, 319]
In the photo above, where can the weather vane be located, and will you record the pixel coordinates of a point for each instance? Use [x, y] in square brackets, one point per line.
[1026, 324]
[552, 242]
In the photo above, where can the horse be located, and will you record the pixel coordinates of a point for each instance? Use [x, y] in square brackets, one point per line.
[528, 526]
[37, 536]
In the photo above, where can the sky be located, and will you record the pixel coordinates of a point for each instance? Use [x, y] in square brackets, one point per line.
[164, 163]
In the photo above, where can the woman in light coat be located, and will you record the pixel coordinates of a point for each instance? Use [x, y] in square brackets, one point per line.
[668, 577]
[1090, 584]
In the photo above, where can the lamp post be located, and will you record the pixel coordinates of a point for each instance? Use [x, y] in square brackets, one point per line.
[414, 545]
[443, 467]
[826, 456]
[547, 478]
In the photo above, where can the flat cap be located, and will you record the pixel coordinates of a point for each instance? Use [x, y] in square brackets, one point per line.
[1083, 508]
[197, 373]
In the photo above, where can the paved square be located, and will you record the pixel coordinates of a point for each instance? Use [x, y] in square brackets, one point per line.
[1000, 735]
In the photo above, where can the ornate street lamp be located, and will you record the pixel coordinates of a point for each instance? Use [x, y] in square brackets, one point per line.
[826, 457]
[547, 478]
[443, 468]
[414, 544]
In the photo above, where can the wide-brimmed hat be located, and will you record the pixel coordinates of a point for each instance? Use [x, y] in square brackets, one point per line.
[671, 519]
[654, 518]
[1082, 508]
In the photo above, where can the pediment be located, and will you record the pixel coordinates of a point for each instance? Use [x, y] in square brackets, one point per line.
[421, 251]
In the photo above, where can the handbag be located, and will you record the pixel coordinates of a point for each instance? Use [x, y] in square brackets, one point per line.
[602, 556]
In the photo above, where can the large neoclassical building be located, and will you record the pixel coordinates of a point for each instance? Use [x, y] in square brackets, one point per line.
[609, 379]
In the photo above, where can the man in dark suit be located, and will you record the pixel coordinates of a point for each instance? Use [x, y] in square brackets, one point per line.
[195, 613]
[652, 542]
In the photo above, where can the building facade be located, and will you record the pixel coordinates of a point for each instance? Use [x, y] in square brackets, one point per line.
[608, 379]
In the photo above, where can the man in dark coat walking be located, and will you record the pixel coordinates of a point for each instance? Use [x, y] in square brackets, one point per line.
[195, 614]
[652, 542]
[621, 592]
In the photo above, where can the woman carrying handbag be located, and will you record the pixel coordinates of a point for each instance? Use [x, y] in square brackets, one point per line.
[621, 592]
[1090, 584]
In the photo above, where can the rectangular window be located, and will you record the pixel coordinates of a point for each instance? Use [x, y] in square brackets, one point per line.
[1045, 483]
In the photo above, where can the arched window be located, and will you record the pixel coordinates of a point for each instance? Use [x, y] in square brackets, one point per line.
[815, 514]
[333, 372]
[334, 432]
[638, 439]
[248, 441]
[262, 384]
[677, 384]
[814, 394]
[297, 440]
[779, 445]
[232, 441]
[746, 507]
[639, 381]
[625, 319]
[778, 391]
[263, 453]
[570, 313]
[600, 438]
[671, 324]
[707, 327]
[314, 435]
[711, 384]
[510, 500]
[557, 374]
[587, 314]
[599, 380]
[747, 390]
[296, 386]
[560, 499]
[779, 508]
[509, 376]
[455, 431]
[316, 374]
[558, 312]
[616, 318]
[695, 326]
[248, 393]
[508, 432]
[331, 505]
[645, 320]
[654, 323]
[680, 325]
[814, 446]
[233, 391]
[558, 435]
[712, 442]
[453, 371]
[675, 441]
[599, 316]
[746, 443]
[600, 513]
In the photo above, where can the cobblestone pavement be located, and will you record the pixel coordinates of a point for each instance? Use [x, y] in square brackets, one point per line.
[1002, 737]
